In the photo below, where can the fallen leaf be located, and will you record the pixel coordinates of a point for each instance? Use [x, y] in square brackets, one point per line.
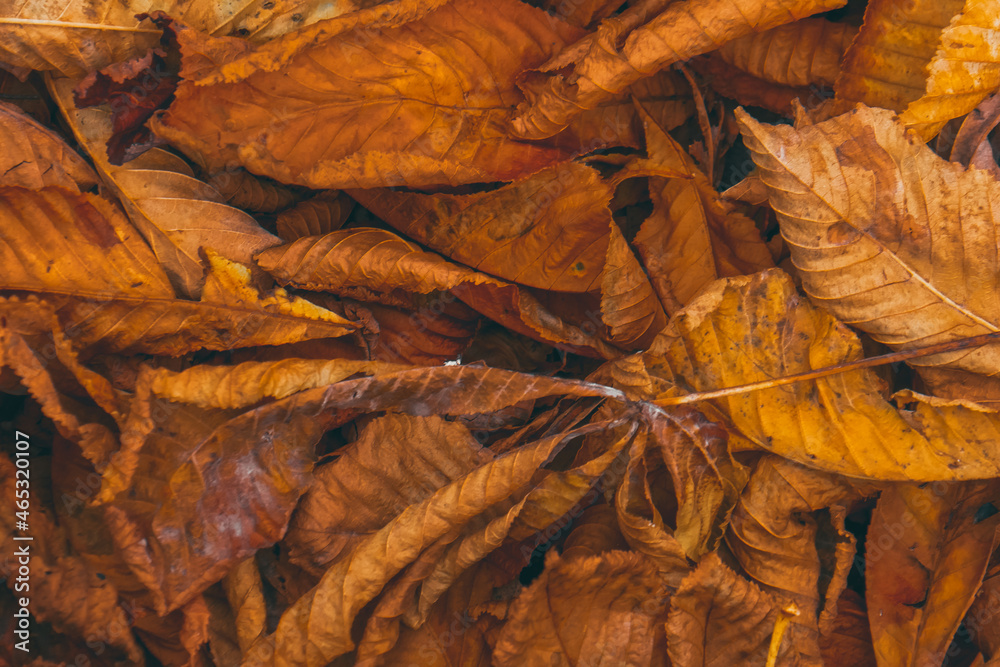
[718, 618]
[929, 546]
[438, 125]
[869, 213]
[930, 61]
[177, 214]
[681, 30]
[802, 53]
[609, 608]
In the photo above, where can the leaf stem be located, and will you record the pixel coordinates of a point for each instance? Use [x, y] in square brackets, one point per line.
[70, 24]
[902, 355]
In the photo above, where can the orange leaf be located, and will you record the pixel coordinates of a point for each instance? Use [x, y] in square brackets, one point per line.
[426, 102]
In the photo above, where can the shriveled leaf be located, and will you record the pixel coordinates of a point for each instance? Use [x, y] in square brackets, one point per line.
[331, 607]
[242, 189]
[246, 598]
[748, 90]
[774, 536]
[928, 548]
[33, 156]
[398, 461]
[320, 215]
[245, 384]
[640, 520]
[557, 495]
[693, 236]
[72, 596]
[385, 124]
[608, 609]
[718, 618]
[550, 230]
[884, 233]
[175, 212]
[796, 54]
[594, 532]
[92, 269]
[41, 366]
[931, 61]
[459, 631]
[849, 640]
[681, 30]
[371, 258]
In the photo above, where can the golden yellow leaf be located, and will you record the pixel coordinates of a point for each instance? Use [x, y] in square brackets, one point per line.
[931, 61]
[422, 105]
[885, 234]
[757, 328]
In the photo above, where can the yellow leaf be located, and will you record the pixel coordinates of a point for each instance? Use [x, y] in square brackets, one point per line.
[754, 328]
[884, 233]
[931, 61]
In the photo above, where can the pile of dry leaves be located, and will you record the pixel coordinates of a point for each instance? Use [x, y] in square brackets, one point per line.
[378, 334]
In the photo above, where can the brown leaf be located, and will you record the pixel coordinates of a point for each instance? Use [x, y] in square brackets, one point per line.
[71, 595]
[33, 156]
[718, 618]
[242, 189]
[608, 608]
[364, 257]
[849, 641]
[398, 461]
[795, 54]
[445, 126]
[351, 583]
[774, 534]
[177, 214]
[56, 36]
[693, 236]
[927, 551]
[193, 492]
[681, 30]
[246, 598]
[550, 230]
[320, 215]
[91, 268]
